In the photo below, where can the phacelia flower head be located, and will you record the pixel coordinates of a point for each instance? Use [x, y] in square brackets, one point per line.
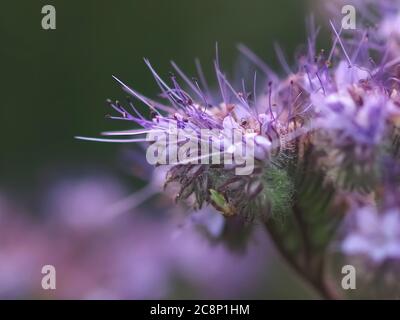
[206, 141]
[301, 144]
[236, 150]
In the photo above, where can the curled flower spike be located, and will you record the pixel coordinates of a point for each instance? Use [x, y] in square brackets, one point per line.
[288, 151]
[266, 126]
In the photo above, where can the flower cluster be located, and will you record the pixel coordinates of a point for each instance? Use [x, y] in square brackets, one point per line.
[324, 129]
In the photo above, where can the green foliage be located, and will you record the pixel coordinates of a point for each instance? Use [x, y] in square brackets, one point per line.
[278, 191]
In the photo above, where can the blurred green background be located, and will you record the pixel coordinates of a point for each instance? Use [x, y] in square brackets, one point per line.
[54, 83]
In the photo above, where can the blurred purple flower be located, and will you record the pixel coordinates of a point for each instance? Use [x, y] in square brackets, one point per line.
[129, 257]
[82, 202]
[374, 234]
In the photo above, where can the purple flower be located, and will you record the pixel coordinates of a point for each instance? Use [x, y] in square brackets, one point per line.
[375, 234]
[268, 123]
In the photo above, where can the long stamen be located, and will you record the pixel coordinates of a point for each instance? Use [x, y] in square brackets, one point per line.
[341, 43]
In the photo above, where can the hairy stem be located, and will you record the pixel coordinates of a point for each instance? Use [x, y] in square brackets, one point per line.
[316, 281]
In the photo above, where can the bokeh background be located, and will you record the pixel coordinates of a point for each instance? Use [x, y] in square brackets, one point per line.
[53, 87]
